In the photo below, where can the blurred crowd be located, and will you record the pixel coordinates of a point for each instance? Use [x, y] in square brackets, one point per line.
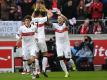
[88, 13]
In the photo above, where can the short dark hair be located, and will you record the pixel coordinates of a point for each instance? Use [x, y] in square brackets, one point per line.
[27, 17]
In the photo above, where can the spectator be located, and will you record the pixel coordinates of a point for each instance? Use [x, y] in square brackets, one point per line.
[67, 9]
[55, 10]
[81, 10]
[104, 8]
[97, 28]
[54, 3]
[19, 11]
[26, 8]
[96, 9]
[88, 3]
[13, 15]
[5, 8]
[48, 4]
[84, 28]
[75, 48]
[86, 51]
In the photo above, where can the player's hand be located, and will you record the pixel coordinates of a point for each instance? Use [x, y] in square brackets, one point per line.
[15, 47]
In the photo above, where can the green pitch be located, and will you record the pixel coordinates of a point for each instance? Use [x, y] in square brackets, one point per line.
[94, 75]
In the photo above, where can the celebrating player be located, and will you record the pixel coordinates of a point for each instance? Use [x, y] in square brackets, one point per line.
[39, 17]
[62, 43]
[29, 47]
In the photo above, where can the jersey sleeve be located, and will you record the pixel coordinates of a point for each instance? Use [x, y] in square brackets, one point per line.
[35, 19]
[43, 19]
[18, 33]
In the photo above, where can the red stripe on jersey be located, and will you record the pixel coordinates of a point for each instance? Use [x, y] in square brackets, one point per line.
[40, 25]
[61, 31]
[28, 34]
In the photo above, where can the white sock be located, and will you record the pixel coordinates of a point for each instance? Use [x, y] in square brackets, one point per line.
[24, 65]
[63, 66]
[37, 68]
[71, 62]
[27, 67]
[44, 63]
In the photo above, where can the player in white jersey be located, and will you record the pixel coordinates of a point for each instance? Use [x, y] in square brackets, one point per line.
[40, 17]
[40, 37]
[62, 43]
[29, 46]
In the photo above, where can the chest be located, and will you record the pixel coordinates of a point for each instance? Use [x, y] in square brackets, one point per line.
[31, 29]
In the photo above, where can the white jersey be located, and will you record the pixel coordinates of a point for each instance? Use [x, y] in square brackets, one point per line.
[62, 40]
[61, 31]
[27, 34]
[29, 45]
[40, 26]
[39, 22]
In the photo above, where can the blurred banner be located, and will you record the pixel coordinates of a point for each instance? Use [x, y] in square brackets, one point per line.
[6, 59]
[9, 27]
[100, 52]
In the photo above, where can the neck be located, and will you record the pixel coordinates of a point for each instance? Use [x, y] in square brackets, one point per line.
[28, 26]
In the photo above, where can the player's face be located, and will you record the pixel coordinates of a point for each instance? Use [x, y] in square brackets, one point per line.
[27, 22]
[39, 5]
[60, 20]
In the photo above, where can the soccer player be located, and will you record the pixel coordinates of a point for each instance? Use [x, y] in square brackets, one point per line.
[62, 43]
[29, 46]
[39, 17]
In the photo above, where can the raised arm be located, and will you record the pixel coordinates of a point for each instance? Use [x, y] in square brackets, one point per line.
[49, 14]
[65, 19]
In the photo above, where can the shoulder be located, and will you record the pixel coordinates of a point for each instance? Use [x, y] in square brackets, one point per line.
[21, 27]
[33, 26]
[54, 24]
